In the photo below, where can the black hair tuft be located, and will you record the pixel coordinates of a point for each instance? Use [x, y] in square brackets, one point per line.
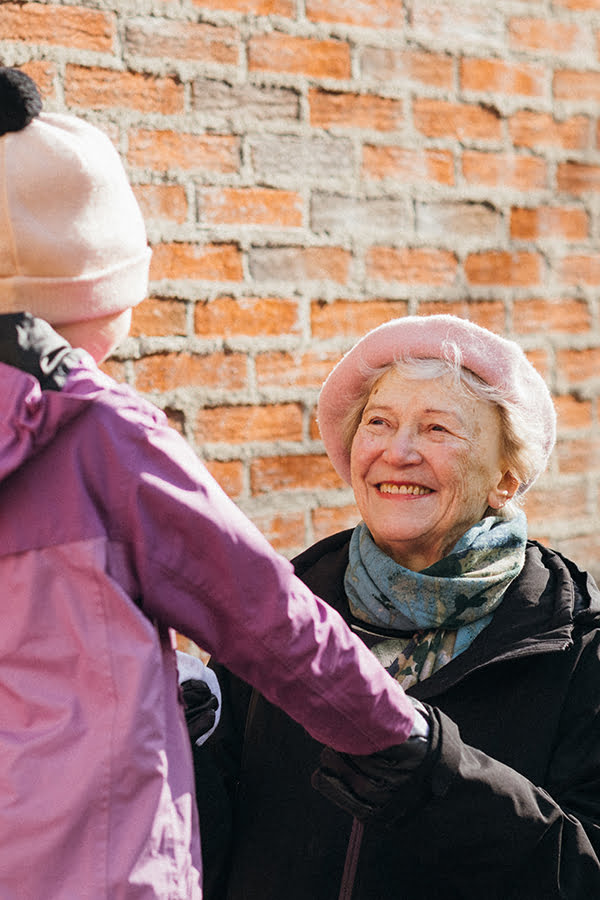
[20, 100]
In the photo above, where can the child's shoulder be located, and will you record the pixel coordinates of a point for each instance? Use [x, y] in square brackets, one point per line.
[110, 397]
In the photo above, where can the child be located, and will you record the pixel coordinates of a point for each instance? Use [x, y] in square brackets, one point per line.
[112, 533]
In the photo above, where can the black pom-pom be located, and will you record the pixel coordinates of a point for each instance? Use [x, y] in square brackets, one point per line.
[20, 100]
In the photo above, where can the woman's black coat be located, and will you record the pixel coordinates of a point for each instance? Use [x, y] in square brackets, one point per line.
[512, 806]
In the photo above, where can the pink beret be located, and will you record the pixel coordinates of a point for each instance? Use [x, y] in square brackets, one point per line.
[496, 360]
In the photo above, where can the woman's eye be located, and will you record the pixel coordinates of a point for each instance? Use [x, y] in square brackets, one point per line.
[437, 427]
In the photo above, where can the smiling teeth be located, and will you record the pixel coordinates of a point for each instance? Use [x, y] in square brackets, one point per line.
[415, 489]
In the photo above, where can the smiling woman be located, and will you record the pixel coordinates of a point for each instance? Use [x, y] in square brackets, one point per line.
[425, 465]
[441, 427]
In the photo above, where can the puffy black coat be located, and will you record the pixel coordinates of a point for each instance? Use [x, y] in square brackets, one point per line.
[512, 807]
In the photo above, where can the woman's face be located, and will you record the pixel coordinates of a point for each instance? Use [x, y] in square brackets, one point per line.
[425, 465]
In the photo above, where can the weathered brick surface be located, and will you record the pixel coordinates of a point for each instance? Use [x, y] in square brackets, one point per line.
[183, 40]
[500, 77]
[70, 26]
[309, 170]
[164, 150]
[407, 165]
[301, 56]
[504, 170]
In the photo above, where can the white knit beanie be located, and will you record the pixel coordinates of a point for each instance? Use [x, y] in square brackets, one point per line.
[73, 245]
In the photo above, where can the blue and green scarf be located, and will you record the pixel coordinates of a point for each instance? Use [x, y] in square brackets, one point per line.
[439, 611]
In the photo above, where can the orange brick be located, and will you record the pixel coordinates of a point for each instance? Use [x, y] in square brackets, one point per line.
[69, 26]
[163, 150]
[543, 504]
[577, 178]
[412, 265]
[572, 412]
[280, 369]
[115, 369]
[541, 34]
[366, 14]
[579, 269]
[532, 129]
[578, 455]
[212, 262]
[487, 313]
[522, 173]
[501, 77]
[251, 316]
[293, 473]
[157, 318]
[582, 5]
[241, 424]
[534, 316]
[576, 85]
[439, 118]
[539, 360]
[104, 88]
[566, 223]
[284, 531]
[175, 418]
[579, 365]
[186, 646]
[43, 73]
[350, 318]
[173, 39]
[250, 206]
[354, 111]
[302, 56]
[314, 431]
[163, 202]
[387, 64]
[169, 371]
[284, 8]
[407, 165]
[230, 475]
[329, 520]
[503, 268]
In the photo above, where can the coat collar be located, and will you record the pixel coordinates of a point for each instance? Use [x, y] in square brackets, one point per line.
[538, 613]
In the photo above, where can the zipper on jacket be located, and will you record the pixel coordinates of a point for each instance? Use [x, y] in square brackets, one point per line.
[351, 863]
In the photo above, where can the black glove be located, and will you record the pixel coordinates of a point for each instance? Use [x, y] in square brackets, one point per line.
[30, 344]
[384, 785]
[200, 705]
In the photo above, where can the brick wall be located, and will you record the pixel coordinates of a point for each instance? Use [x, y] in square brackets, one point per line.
[309, 169]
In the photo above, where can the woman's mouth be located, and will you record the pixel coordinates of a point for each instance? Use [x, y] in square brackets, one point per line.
[390, 487]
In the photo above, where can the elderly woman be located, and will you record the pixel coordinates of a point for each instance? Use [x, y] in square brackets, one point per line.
[440, 427]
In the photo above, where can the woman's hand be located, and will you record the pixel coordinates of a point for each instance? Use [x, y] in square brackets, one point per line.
[369, 787]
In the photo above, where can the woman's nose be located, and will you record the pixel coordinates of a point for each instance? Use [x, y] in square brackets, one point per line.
[402, 448]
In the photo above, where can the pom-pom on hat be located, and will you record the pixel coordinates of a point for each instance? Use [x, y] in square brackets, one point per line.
[73, 244]
[497, 361]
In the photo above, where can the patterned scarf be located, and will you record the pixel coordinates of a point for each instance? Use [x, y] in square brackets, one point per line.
[444, 607]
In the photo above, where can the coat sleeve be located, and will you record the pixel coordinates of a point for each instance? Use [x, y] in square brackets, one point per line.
[217, 766]
[489, 831]
[202, 568]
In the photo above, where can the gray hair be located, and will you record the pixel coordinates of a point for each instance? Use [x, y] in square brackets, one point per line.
[520, 446]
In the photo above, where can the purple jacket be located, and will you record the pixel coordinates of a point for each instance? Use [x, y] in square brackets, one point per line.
[112, 533]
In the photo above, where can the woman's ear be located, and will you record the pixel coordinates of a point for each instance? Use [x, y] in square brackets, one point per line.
[503, 491]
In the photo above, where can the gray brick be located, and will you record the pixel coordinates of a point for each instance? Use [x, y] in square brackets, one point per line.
[293, 156]
[466, 221]
[375, 217]
[245, 101]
